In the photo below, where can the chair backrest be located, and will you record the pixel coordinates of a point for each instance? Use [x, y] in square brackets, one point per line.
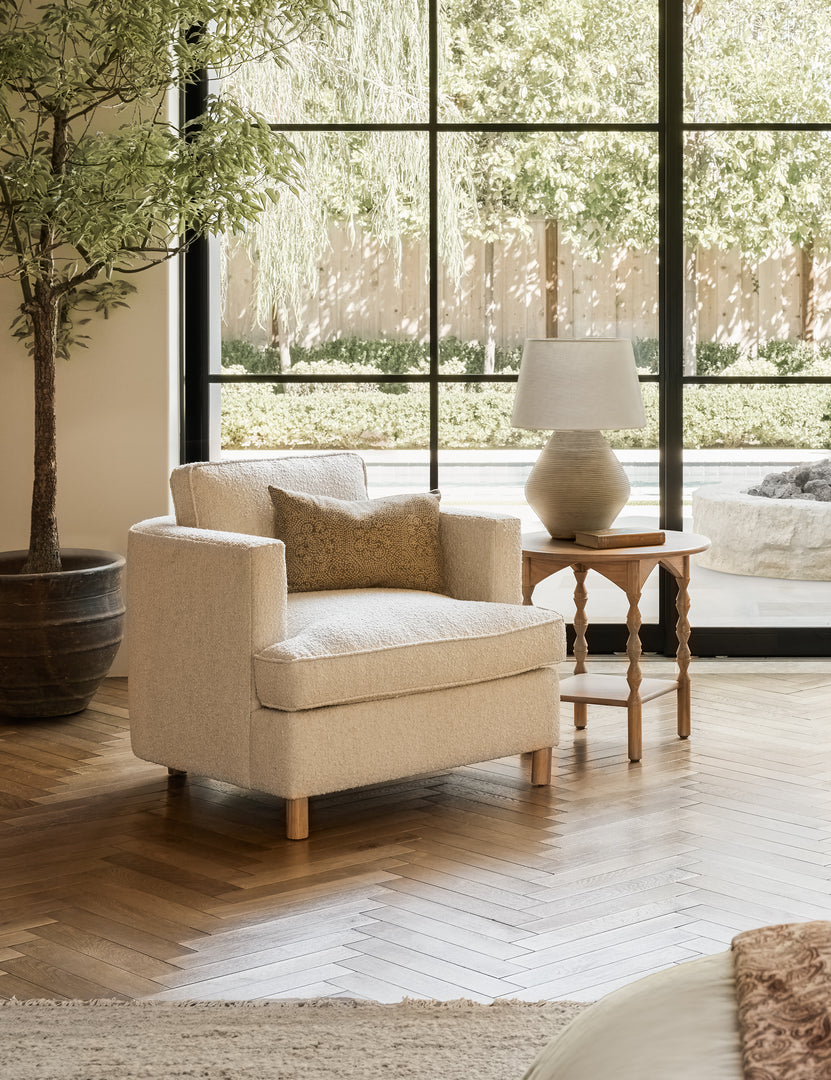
[232, 496]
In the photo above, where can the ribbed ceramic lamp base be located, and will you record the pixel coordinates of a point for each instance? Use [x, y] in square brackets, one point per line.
[577, 483]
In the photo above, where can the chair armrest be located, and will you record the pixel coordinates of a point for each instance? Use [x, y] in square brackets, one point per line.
[200, 603]
[482, 555]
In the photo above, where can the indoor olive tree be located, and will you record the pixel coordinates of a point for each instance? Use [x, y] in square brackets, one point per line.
[98, 182]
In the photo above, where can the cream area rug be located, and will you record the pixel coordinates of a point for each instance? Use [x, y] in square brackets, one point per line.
[331, 1038]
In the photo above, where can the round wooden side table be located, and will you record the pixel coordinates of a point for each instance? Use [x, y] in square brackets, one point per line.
[628, 568]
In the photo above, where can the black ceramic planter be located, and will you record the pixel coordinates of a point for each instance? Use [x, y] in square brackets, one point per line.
[59, 633]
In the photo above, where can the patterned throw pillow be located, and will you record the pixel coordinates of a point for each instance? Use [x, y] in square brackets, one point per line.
[331, 543]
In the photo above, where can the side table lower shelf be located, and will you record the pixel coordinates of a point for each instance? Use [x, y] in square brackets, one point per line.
[589, 689]
[585, 689]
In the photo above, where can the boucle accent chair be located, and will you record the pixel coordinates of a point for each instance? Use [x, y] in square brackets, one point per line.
[299, 694]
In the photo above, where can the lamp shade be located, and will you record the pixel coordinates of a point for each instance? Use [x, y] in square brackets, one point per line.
[578, 385]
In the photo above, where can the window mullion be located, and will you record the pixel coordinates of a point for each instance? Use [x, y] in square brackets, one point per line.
[433, 181]
[671, 284]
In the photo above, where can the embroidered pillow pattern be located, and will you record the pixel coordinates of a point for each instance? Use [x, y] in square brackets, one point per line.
[392, 542]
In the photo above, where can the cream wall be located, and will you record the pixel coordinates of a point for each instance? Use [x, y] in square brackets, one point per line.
[117, 413]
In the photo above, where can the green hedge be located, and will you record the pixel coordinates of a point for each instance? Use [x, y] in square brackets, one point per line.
[738, 416]
[255, 419]
[711, 357]
[388, 357]
[468, 357]
[796, 417]
[797, 357]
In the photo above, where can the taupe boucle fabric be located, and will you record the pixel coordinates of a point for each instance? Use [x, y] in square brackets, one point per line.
[232, 496]
[314, 751]
[199, 605]
[482, 555]
[203, 601]
[481, 552]
[392, 542]
[345, 646]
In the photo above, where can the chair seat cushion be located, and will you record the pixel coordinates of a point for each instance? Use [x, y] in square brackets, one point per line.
[358, 645]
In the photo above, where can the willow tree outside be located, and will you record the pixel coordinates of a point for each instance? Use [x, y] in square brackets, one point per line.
[534, 62]
[97, 183]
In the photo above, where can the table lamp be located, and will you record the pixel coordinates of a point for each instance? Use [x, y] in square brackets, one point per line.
[576, 388]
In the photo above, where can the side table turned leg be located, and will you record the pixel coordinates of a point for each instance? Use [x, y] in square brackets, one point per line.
[527, 584]
[682, 630]
[633, 674]
[581, 649]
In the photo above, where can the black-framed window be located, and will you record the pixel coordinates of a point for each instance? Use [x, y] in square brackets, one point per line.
[683, 132]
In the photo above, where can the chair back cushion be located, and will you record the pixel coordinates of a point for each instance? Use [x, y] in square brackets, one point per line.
[232, 496]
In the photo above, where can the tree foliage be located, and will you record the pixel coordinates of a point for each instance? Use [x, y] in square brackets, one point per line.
[535, 61]
[748, 61]
[96, 179]
[371, 68]
[98, 183]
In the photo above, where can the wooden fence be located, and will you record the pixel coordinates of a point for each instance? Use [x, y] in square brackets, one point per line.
[363, 292]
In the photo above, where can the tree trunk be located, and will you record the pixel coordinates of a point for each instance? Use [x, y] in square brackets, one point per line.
[490, 311]
[807, 291]
[280, 341]
[44, 546]
[552, 279]
[690, 309]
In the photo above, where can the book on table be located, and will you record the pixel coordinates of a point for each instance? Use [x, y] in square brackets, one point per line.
[613, 538]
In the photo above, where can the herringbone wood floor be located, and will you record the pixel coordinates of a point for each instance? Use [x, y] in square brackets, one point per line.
[116, 883]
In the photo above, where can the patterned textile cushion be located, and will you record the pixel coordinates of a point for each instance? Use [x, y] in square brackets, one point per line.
[331, 543]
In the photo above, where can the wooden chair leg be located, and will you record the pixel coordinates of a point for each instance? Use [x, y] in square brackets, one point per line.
[541, 767]
[176, 772]
[297, 818]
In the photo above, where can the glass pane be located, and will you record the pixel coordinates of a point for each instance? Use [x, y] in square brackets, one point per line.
[757, 229]
[748, 61]
[536, 61]
[556, 236]
[372, 68]
[390, 429]
[768, 564]
[332, 280]
[547, 236]
[484, 463]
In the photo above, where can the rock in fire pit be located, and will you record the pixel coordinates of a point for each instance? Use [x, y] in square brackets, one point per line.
[811, 481]
[780, 529]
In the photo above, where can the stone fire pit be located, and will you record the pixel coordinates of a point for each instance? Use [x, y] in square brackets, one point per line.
[780, 529]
